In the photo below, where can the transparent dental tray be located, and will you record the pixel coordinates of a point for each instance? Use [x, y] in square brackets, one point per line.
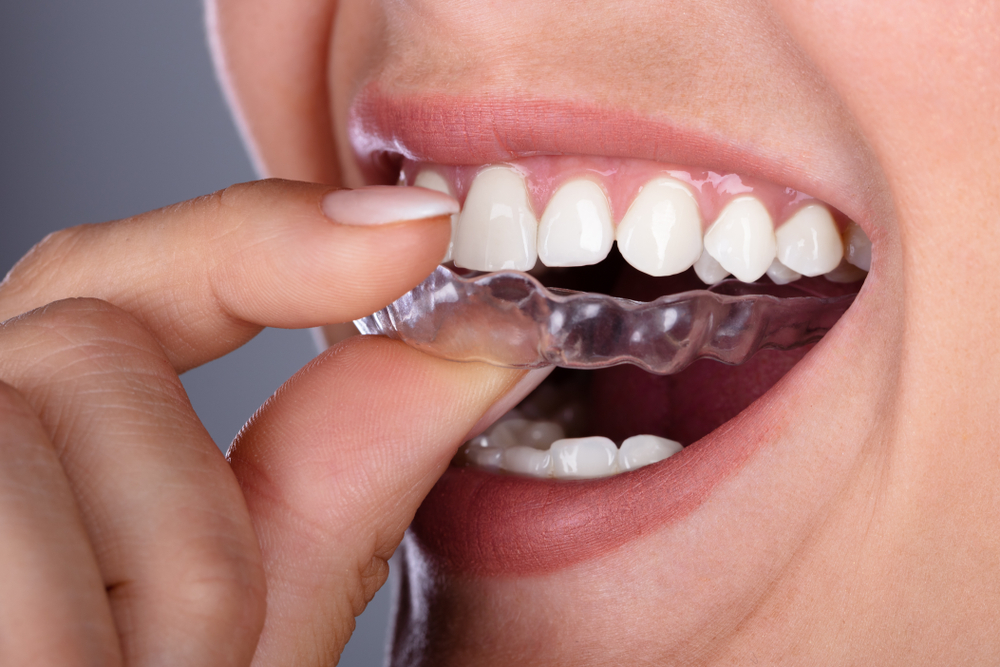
[510, 319]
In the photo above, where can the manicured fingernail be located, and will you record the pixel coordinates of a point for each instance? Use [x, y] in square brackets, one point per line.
[382, 204]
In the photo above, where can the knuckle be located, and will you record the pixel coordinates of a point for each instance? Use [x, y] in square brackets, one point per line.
[79, 336]
[245, 196]
[224, 589]
[15, 411]
[36, 269]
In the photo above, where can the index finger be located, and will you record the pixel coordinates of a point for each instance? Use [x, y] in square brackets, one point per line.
[206, 275]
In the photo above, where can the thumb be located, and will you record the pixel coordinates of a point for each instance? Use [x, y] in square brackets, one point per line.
[333, 468]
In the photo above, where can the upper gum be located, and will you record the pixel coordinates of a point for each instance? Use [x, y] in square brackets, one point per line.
[622, 179]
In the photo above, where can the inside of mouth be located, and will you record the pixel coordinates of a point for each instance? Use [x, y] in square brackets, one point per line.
[616, 271]
[615, 410]
[605, 315]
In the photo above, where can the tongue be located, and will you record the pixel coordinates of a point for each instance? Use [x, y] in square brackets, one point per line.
[626, 400]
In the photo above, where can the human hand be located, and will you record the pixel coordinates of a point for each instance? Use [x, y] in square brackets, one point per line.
[125, 537]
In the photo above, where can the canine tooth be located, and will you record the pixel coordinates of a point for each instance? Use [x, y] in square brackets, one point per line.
[846, 273]
[859, 247]
[432, 180]
[496, 229]
[642, 450]
[742, 239]
[527, 461]
[576, 228]
[527, 432]
[661, 231]
[809, 242]
[583, 458]
[781, 274]
[709, 270]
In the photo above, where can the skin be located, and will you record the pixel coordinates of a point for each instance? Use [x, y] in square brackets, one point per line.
[864, 533]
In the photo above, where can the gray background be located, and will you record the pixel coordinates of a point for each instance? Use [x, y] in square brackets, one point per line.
[109, 108]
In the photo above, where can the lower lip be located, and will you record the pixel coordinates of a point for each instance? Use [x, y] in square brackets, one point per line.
[477, 522]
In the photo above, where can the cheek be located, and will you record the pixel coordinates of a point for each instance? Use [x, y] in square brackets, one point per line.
[357, 40]
[906, 70]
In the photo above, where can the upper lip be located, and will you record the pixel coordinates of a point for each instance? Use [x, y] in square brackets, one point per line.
[446, 129]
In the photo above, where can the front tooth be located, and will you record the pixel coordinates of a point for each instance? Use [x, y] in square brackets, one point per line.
[709, 270]
[781, 274]
[584, 458]
[742, 239]
[859, 247]
[527, 461]
[642, 450]
[496, 229]
[576, 228]
[661, 232]
[809, 242]
[432, 180]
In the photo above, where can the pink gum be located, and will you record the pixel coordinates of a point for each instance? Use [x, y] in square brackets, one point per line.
[622, 179]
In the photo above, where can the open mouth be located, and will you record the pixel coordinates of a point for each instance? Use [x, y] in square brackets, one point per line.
[663, 270]
[630, 262]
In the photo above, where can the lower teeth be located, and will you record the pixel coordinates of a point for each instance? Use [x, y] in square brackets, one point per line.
[540, 449]
[540, 439]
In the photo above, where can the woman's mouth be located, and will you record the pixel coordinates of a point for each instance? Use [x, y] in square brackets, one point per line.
[593, 458]
[665, 223]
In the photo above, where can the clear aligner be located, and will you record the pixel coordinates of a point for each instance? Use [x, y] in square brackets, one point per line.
[510, 319]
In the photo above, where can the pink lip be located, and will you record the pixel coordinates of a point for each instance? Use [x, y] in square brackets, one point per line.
[463, 130]
[486, 524]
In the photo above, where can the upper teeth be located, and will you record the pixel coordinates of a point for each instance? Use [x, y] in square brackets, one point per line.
[809, 242]
[432, 180]
[661, 231]
[660, 234]
[742, 239]
[497, 228]
[576, 227]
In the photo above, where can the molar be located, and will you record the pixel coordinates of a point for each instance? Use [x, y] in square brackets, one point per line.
[497, 229]
[576, 228]
[661, 232]
[809, 242]
[859, 247]
[845, 273]
[432, 180]
[742, 239]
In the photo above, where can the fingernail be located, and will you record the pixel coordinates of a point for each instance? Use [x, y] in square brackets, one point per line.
[382, 204]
